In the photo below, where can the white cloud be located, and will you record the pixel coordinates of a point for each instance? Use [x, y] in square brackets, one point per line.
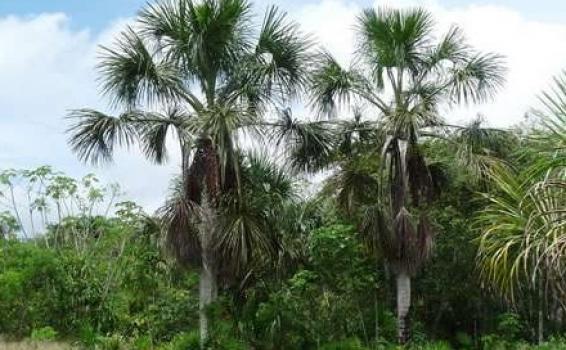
[47, 68]
[534, 51]
[332, 23]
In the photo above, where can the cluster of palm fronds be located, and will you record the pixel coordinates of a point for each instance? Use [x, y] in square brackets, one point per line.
[523, 242]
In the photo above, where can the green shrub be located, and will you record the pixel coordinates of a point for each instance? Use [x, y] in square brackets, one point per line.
[348, 344]
[185, 341]
[464, 340]
[29, 278]
[88, 338]
[44, 334]
[114, 342]
[508, 326]
[142, 343]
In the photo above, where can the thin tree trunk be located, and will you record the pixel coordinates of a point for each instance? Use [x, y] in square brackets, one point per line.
[540, 312]
[403, 305]
[17, 212]
[376, 310]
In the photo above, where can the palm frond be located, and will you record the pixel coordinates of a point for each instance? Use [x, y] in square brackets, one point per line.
[309, 145]
[155, 133]
[477, 78]
[452, 47]
[94, 135]
[248, 224]
[479, 148]
[393, 38]
[261, 176]
[132, 74]
[553, 117]
[522, 227]
[282, 56]
[331, 85]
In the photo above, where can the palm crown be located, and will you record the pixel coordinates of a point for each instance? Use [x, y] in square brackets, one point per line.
[216, 73]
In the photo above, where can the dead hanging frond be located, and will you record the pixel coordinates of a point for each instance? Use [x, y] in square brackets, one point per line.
[406, 244]
[180, 217]
[420, 179]
[182, 214]
[376, 230]
[404, 254]
[425, 235]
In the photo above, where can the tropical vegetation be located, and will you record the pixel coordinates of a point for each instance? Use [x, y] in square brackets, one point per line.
[371, 222]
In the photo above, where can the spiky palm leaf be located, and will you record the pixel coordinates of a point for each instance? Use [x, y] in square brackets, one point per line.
[95, 134]
[132, 73]
[524, 225]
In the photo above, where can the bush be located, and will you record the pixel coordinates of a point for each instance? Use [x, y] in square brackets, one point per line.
[185, 341]
[29, 279]
[44, 334]
[348, 344]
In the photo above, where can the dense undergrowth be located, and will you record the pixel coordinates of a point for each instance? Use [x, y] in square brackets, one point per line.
[123, 292]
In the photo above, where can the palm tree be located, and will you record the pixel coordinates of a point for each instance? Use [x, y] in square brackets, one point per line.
[201, 61]
[523, 226]
[400, 77]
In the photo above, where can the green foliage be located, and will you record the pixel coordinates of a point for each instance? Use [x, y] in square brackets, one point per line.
[44, 334]
[185, 341]
[508, 326]
[122, 285]
[29, 280]
[348, 344]
[308, 310]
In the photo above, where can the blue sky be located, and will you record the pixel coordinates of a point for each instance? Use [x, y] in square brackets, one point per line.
[48, 55]
[97, 14]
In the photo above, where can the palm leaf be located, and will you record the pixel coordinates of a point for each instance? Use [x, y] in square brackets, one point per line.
[94, 135]
[132, 74]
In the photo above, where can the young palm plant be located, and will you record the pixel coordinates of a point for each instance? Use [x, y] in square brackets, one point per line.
[401, 76]
[216, 74]
[523, 238]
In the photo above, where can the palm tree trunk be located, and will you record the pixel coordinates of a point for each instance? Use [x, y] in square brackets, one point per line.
[207, 295]
[208, 289]
[403, 305]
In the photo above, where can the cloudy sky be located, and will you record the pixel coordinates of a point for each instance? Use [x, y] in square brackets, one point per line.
[48, 51]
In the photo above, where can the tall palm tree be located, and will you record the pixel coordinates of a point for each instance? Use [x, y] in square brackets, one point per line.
[523, 226]
[401, 76]
[216, 74]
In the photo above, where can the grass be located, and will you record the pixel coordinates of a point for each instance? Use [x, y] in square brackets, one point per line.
[30, 345]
